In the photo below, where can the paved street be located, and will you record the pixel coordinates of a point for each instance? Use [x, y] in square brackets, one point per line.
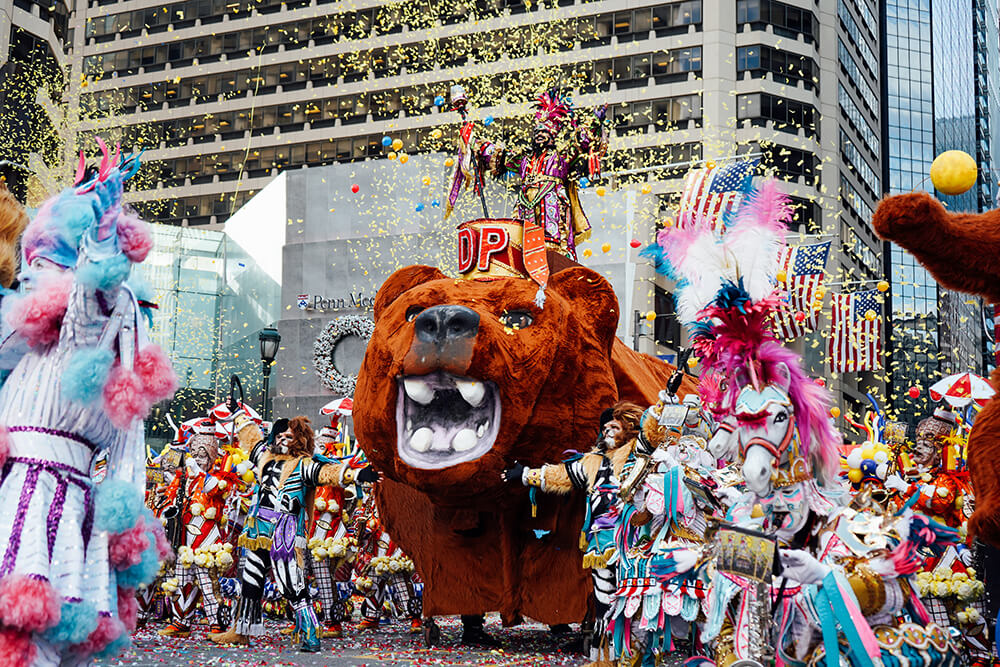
[389, 647]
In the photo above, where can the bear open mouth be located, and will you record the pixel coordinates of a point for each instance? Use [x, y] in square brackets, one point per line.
[443, 420]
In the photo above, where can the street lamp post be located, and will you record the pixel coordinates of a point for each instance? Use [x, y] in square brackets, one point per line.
[269, 340]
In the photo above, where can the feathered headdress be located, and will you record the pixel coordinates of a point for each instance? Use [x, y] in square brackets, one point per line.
[726, 295]
[553, 110]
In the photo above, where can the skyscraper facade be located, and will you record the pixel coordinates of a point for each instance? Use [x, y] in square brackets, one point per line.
[224, 95]
[938, 95]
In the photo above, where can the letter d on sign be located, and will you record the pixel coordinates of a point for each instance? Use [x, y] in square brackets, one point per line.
[491, 241]
[466, 256]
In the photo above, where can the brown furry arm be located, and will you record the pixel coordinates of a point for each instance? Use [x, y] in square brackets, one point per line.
[335, 474]
[959, 249]
[557, 477]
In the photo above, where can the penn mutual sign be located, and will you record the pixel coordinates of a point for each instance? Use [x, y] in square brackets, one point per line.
[353, 301]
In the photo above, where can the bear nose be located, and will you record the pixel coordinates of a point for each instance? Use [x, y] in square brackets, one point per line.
[443, 324]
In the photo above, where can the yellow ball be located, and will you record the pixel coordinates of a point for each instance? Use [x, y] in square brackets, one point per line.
[450, 162]
[587, 252]
[605, 247]
[953, 172]
[397, 144]
[436, 134]
[651, 316]
[854, 475]
[426, 180]
[391, 155]
[669, 222]
[782, 276]
[600, 190]
[692, 362]
[647, 188]
[870, 315]
[835, 412]
[867, 453]
[710, 164]
[403, 158]
[883, 286]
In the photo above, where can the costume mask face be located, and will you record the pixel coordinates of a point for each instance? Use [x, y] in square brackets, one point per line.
[612, 433]
[282, 442]
[927, 448]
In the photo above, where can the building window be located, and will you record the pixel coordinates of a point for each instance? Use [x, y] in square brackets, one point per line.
[790, 163]
[850, 67]
[667, 330]
[856, 162]
[784, 67]
[854, 33]
[857, 120]
[786, 115]
[785, 20]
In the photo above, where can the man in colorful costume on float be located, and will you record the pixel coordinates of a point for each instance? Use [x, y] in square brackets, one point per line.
[548, 214]
[77, 539]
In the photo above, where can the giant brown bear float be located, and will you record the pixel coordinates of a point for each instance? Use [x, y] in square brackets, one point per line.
[962, 252]
[460, 380]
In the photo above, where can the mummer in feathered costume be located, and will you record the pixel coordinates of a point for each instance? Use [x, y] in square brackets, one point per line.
[75, 539]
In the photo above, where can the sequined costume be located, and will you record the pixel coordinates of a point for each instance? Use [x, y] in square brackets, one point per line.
[71, 442]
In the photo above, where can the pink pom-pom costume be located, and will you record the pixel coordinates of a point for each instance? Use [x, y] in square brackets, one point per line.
[58, 450]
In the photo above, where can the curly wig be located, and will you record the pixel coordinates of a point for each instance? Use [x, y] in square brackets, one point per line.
[302, 436]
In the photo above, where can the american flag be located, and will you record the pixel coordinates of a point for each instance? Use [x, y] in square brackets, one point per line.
[855, 340]
[805, 269]
[711, 192]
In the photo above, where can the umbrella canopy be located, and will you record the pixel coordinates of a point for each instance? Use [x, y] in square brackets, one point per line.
[339, 406]
[962, 389]
[221, 412]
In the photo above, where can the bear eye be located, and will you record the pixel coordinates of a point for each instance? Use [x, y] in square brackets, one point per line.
[516, 319]
[412, 312]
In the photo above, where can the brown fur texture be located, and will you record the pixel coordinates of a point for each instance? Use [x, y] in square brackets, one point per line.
[13, 220]
[471, 536]
[961, 251]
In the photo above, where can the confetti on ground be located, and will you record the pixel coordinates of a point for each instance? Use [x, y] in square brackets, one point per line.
[390, 646]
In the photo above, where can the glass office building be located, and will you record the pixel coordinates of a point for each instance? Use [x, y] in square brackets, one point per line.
[211, 299]
[934, 60]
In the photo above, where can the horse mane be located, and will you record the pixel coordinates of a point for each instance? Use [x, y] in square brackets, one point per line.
[817, 437]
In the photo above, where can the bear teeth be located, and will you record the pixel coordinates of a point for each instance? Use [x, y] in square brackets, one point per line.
[418, 390]
[472, 391]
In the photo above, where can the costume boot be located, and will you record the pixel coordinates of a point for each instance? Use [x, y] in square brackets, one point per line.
[307, 629]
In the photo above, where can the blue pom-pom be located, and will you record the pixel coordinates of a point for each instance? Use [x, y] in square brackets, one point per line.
[76, 621]
[85, 374]
[106, 273]
[420, 207]
[117, 506]
[584, 182]
[143, 572]
[439, 101]
[436, 203]
[488, 121]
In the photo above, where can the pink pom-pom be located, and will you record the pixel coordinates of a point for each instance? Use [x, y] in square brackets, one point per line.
[134, 238]
[124, 400]
[156, 373]
[125, 549]
[128, 608]
[38, 314]
[4, 444]
[108, 630]
[28, 604]
[16, 649]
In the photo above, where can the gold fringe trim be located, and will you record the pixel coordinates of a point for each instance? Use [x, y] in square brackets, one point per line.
[254, 543]
[597, 561]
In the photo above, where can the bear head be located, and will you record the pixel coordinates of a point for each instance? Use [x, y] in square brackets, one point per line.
[463, 378]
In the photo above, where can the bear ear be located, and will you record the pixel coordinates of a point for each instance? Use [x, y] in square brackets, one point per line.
[590, 293]
[401, 281]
